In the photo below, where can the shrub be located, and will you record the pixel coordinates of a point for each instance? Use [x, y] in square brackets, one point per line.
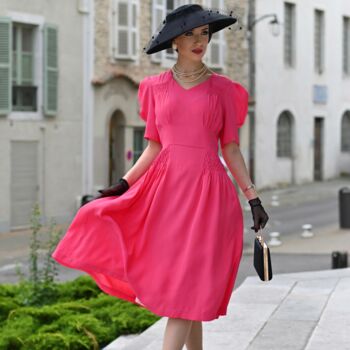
[38, 313]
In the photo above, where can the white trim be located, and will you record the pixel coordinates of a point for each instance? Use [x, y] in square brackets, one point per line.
[26, 18]
[217, 38]
[88, 99]
[37, 21]
[157, 56]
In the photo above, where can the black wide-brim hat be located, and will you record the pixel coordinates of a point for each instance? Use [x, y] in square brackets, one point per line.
[184, 18]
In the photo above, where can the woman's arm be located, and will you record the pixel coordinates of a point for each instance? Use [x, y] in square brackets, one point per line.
[235, 162]
[143, 162]
[138, 169]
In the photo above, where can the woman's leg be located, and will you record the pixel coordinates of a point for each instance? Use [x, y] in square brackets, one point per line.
[194, 340]
[176, 333]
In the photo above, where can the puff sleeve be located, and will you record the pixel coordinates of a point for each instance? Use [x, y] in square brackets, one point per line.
[147, 110]
[235, 109]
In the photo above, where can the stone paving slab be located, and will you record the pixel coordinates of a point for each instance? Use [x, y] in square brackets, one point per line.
[334, 325]
[296, 311]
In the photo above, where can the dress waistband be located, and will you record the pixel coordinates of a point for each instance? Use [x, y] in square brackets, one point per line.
[191, 137]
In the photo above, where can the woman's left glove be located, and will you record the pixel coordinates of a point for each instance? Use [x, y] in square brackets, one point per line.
[115, 190]
[259, 215]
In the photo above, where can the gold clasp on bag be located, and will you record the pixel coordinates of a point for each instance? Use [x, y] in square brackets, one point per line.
[265, 255]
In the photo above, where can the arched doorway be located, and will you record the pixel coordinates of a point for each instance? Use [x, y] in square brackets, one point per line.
[285, 140]
[116, 147]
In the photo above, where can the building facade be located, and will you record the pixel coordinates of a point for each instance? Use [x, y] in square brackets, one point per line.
[41, 84]
[302, 92]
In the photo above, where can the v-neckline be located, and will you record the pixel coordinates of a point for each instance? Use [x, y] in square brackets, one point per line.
[191, 88]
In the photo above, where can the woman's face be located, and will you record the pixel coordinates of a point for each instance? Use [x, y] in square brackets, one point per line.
[196, 38]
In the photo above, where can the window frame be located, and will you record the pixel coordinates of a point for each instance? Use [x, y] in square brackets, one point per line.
[345, 146]
[289, 38]
[319, 40]
[130, 28]
[346, 46]
[17, 64]
[280, 152]
[37, 21]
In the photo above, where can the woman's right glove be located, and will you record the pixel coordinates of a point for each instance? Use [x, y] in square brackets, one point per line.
[259, 215]
[115, 190]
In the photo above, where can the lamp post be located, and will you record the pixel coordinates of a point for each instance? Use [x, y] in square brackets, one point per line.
[275, 29]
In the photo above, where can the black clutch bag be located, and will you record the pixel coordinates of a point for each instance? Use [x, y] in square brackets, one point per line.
[262, 259]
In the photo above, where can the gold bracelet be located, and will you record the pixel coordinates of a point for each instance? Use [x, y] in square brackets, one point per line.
[248, 188]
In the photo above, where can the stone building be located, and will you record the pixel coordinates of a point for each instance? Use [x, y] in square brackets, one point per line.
[302, 92]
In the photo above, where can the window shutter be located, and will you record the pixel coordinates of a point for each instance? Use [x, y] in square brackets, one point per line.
[133, 30]
[217, 43]
[125, 28]
[50, 69]
[158, 15]
[5, 65]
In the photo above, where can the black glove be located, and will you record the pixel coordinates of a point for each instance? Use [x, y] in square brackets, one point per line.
[259, 215]
[115, 190]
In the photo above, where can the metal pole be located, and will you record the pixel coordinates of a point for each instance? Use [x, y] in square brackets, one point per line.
[251, 45]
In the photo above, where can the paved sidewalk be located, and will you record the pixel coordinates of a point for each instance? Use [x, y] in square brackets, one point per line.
[299, 311]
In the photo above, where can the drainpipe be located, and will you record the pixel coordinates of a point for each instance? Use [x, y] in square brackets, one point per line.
[86, 9]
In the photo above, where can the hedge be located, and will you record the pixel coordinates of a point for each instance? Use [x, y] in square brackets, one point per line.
[77, 315]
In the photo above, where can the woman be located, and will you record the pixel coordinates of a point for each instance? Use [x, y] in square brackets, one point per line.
[169, 235]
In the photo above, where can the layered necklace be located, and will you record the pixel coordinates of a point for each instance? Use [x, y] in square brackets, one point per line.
[197, 74]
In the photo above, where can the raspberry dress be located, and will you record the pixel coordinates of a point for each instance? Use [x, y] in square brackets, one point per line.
[173, 242]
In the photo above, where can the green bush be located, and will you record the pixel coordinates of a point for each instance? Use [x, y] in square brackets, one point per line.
[88, 320]
[40, 314]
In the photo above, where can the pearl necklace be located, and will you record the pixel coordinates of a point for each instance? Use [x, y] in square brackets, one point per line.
[199, 73]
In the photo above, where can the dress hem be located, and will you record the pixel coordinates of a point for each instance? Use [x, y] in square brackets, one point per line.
[157, 311]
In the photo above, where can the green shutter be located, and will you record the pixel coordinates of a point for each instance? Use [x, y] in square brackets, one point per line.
[50, 69]
[5, 65]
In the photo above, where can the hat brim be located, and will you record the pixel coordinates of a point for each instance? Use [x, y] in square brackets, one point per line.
[169, 31]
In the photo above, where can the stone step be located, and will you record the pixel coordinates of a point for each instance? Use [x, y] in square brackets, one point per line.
[296, 311]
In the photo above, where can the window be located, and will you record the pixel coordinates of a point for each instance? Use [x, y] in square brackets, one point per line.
[284, 135]
[319, 38]
[289, 34]
[28, 77]
[24, 89]
[346, 45]
[345, 132]
[125, 29]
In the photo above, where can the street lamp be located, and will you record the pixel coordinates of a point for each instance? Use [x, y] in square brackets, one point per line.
[275, 30]
[274, 23]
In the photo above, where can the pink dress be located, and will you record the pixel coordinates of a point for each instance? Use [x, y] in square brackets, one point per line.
[173, 242]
